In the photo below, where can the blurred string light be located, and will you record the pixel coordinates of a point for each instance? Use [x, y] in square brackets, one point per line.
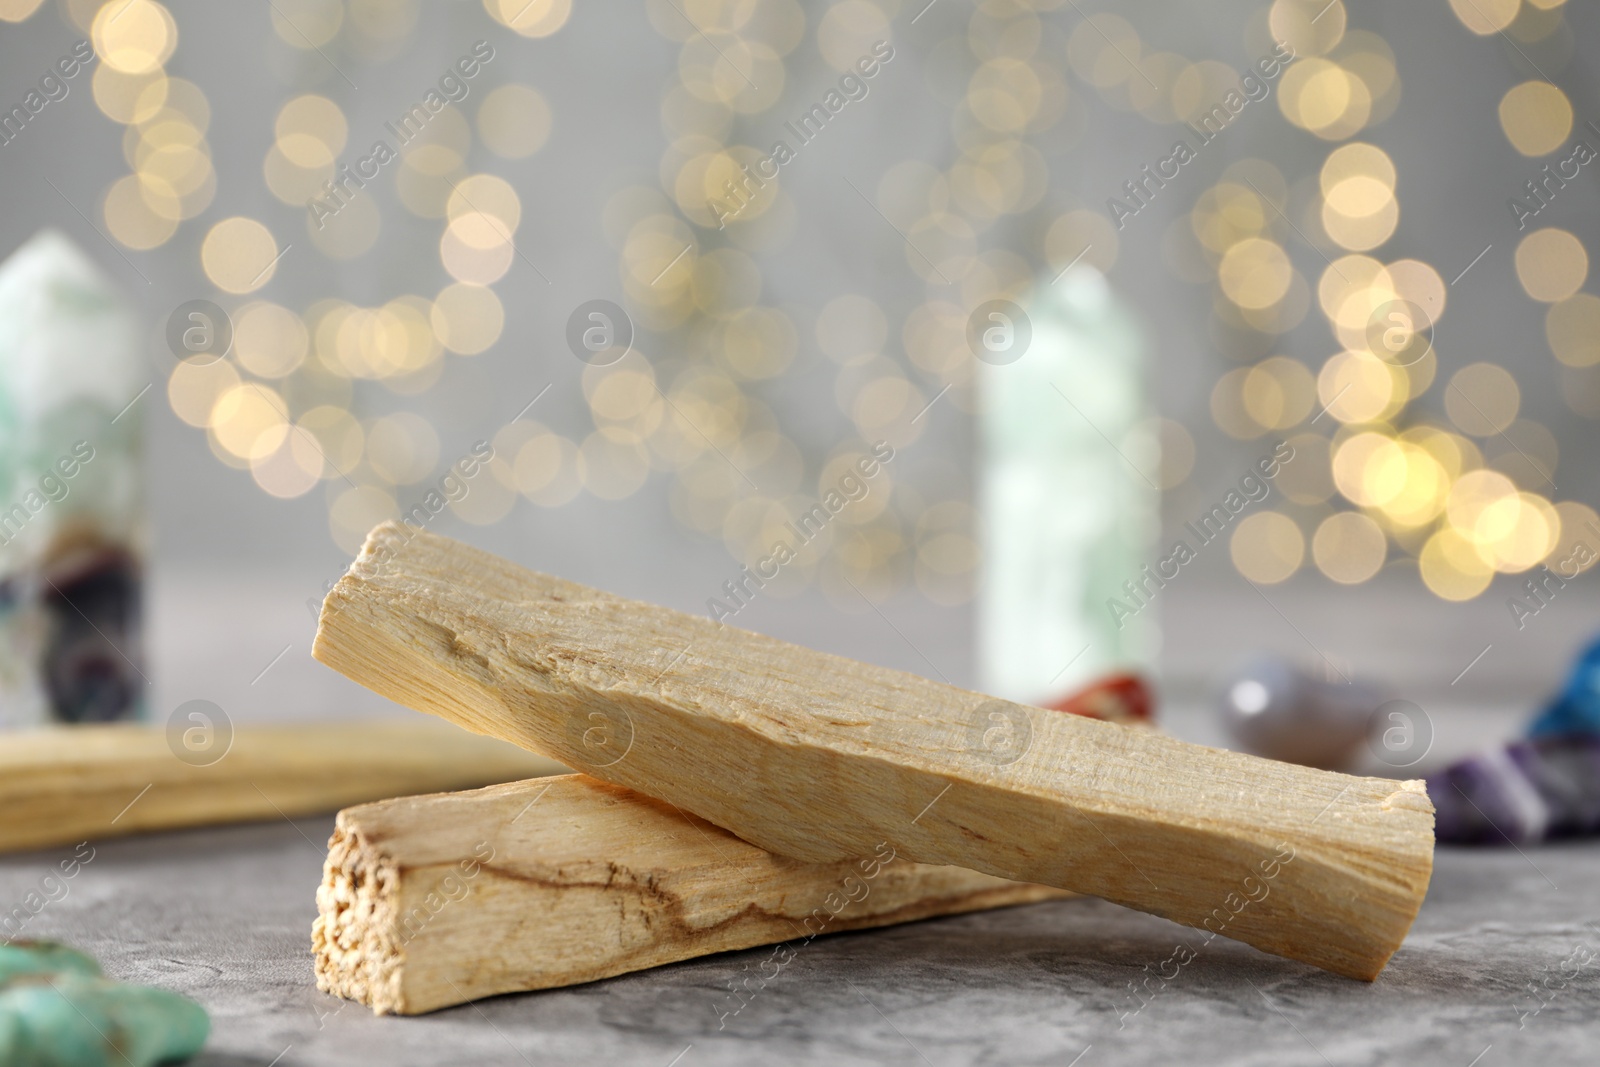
[1374, 484]
[967, 217]
[171, 176]
[282, 405]
[700, 411]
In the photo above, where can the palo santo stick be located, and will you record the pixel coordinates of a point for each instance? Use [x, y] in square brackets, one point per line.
[820, 758]
[432, 901]
[63, 785]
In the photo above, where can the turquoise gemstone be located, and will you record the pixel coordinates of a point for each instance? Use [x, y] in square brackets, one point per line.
[57, 1010]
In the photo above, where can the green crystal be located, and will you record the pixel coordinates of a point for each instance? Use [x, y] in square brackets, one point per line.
[1069, 511]
[57, 1010]
[72, 512]
[18, 958]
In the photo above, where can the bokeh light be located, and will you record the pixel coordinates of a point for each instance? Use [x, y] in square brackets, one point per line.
[1551, 264]
[239, 255]
[1536, 117]
[1482, 399]
[1484, 17]
[514, 121]
[531, 18]
[136, 37]
[1572, 326]
[1267, 547]
[312, 393]
[1349, 547]
[18, 10]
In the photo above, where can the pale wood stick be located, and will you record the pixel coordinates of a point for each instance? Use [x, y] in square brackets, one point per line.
[64, 785]
[820, 758]
[436, 900]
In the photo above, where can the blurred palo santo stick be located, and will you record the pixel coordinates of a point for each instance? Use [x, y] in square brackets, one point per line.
[436, 900]
[822, 758]
[68, 784]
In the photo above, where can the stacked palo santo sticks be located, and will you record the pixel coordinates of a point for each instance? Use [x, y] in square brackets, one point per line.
[793, 792]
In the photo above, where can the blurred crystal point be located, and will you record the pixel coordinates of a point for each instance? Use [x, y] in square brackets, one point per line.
[72, 524]
[1067, 521]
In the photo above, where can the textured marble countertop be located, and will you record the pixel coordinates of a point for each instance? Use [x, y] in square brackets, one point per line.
[224, 916]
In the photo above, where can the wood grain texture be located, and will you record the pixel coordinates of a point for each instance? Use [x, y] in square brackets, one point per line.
[820, 758]
[431, 901]
[65, 785]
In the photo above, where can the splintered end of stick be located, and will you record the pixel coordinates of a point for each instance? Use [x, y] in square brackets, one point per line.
[354, 940]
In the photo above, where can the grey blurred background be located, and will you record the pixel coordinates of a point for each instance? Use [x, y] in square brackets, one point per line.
[234, 566]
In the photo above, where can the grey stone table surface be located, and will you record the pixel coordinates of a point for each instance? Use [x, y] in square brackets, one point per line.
[224, 915]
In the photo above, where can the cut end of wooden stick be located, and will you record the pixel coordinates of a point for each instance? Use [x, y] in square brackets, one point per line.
[818, 757]
[355, 938]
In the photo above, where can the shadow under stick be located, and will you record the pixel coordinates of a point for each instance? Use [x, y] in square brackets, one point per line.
[822, 758]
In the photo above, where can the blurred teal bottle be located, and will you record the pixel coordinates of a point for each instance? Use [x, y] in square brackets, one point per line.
[1068, 504]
